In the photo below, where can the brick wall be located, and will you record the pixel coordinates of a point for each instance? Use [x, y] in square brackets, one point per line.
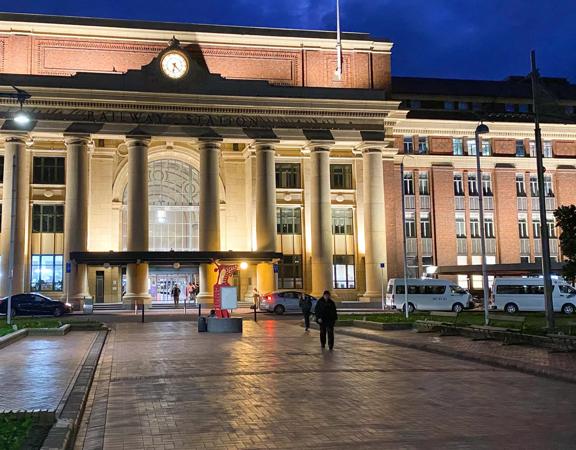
[506, 216]
[392, 201]
[565, 186]
[440, 145]
[504, 147]
[566, 149]
[444, 215]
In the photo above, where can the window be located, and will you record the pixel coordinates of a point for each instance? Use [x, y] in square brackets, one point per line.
[422, 145]
[524, 259]
[410, 226]
[520, 151]
[458, 185]
[341, 176]
[548, 191]
[408, 145]
[424, 183]
[475, 227]
[565, 289]
[476, 106]
[457, 147]
[48, 170]
[290, 272]
[486, 148]
[425, 225]
[509, 107]
[415, 104]
[533, 185]
[532, 146]
[288, 221]
[523, 107]
[408, 183]
[288, 176]
[460, 226]
[471, 145]
[472, 185]
[523, 227]
[520, 185]
[48, 219]
[487, 184]
[463, 106]
[449, 105]
[46, 273]
[343, 272]
[342, 221]
[489, 227]
[569, 109]
[547, 149]
[551, 227]
[1, 169]
[536, 227]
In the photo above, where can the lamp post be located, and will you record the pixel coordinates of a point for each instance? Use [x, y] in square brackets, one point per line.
[406, 308]
[482, 129]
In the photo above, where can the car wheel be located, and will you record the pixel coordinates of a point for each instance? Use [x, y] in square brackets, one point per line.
[457, 307]
[568, 309]
[58, 312]
[511, 308]
[279, 310]
[411, 308]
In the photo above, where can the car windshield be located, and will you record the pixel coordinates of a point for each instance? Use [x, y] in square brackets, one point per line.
[457, 289]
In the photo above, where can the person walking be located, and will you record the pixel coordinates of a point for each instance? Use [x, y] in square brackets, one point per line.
[326, 316]
[305, 304]
[256, 298]
[176, 295]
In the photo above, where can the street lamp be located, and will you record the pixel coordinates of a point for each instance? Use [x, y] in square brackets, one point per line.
[482, 129]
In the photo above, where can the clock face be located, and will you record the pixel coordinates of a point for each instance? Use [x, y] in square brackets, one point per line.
[174, 65]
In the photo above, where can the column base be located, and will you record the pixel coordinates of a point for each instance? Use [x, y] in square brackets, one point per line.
[130, 300]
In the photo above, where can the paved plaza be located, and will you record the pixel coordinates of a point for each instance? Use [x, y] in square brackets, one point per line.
[164, 386]
[36, 370]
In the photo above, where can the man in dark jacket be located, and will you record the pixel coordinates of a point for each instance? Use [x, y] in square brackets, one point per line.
[305, 304]
[326, 316]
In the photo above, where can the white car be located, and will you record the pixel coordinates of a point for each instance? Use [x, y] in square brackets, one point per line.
[428, 294]
[527, 294]
[283, 301]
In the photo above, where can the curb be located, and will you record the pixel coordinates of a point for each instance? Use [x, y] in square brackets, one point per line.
[69, 413]
[494, 361]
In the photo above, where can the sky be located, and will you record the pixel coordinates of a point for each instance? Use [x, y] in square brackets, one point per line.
[473, 39]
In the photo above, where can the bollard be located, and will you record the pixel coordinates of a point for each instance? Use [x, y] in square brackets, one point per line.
[142, 312]
[199, 309]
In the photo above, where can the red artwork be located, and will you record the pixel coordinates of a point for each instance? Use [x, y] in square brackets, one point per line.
[225, 272]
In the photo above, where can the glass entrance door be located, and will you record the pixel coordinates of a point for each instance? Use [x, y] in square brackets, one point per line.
[162, 282]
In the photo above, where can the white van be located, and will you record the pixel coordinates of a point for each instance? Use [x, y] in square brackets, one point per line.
[428, 294]
[527, 294]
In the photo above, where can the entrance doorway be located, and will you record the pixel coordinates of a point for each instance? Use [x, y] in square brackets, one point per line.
[162, 281]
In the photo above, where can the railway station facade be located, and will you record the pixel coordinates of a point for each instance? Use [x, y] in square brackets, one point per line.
[156, 147]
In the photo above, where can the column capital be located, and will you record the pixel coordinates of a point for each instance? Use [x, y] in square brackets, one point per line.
[137, 141]
[369, 147]
[320, 146]
[23, 138]
[209, 143]
[261, 145]
[77, 139]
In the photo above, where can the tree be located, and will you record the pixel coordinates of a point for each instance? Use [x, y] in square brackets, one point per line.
[566, 221]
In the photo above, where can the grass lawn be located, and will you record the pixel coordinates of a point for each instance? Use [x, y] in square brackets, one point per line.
[535, 322]
[39, 322]
[13, 431]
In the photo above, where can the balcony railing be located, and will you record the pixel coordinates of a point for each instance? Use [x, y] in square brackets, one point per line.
[409, 202]
[426, 246]
[522, 204]
[524, 247]
[477, 246]
[411, 246]
[459, 203]
[462, 245]
[424, 202]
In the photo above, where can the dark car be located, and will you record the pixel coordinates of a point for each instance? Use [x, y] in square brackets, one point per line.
[34, 304]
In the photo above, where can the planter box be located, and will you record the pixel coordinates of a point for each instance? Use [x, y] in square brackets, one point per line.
[366, 324]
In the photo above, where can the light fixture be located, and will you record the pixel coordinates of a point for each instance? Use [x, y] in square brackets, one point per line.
[243, 265]
[482, 129]
[21, 117]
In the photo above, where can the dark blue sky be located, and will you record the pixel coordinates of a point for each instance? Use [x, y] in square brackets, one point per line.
[487, 39]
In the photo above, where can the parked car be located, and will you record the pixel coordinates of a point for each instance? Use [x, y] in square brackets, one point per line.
[527, 294]
[428, 294]
[283, 301]
[34, 304]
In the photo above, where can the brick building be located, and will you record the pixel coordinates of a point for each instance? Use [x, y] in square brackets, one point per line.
[147, 154]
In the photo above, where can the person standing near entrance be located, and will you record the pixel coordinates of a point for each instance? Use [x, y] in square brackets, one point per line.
[176, 295]
[256, 297]
[326, 316]
[305, 304]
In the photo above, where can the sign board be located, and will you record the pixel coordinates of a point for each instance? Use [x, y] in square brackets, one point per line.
[68, 267]
[229, 297]
[275, 268]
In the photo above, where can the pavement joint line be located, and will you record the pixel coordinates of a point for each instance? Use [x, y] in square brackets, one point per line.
[69, 412]
[495, 361]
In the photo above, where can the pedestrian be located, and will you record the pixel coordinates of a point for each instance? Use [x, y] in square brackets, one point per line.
[193, 292]
[176, 295]
[326, 316]
[305, 304]
[256, 298]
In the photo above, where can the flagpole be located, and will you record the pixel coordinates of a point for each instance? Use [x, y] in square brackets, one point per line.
[544, 234]
[338, 43]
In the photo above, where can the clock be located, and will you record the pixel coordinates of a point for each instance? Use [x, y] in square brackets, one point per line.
[174, 64]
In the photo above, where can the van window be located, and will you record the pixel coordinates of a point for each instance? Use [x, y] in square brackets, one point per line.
[454, 289]
[421, 290]
[433, 290]
[535, 290]
[565, 289]
[390, 288]
[510, 289]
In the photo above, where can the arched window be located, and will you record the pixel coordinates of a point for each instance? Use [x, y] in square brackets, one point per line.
[173, 199]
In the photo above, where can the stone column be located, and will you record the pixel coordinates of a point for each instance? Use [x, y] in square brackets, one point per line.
[265, 212]
[16, 197]
[374, 221]
[138, 221]
[209, 228]
[321, 220]
[76, 216]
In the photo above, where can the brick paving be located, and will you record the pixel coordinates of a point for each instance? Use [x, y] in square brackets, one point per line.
[164, 386]
[36, 371]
